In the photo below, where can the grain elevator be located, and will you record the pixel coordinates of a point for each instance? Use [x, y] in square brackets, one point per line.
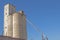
[14, 22]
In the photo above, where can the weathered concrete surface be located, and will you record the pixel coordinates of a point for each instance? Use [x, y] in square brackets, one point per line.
[9, 38]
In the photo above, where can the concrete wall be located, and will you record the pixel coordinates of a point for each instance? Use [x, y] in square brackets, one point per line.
[17, 25]
[9, 38]
[10, 26]
[8, 11]
[24, 31]
[24, 27]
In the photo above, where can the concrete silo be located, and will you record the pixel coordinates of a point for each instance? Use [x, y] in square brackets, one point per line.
[10, 26]
[14, 23]
[24, 31]
[19, 25]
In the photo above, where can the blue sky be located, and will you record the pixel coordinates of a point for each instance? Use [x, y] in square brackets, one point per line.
[45, 14]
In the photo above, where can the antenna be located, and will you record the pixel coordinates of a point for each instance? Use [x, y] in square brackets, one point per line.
[46, 38]
[43, 36]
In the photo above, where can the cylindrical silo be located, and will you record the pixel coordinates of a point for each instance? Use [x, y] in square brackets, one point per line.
[17, 24]
[24, 31]
[24, 27]
[10, 26]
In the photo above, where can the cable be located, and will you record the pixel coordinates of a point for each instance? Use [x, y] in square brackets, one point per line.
[33, 25]
[37, 29]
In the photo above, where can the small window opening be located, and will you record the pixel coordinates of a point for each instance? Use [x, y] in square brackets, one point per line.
[6, 13]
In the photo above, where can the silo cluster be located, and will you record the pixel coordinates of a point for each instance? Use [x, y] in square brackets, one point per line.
[16, 23]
